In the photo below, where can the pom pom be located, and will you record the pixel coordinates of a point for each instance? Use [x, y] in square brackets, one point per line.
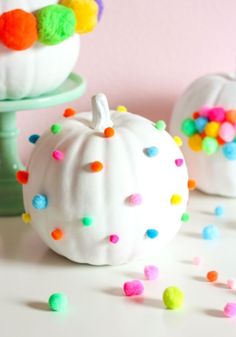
[152, 233]
[185, 217]
[173, 298]
[231, 284]
[69, 113]
[58, 155]
[231, 116]
[109, 132]
[22, 177]
[100, 9]
[212, 129]
[219, 211]
[57, 234]
[160, 125]
[195, 143]
[56, 23]
[151, 151]
[26, 218]
[86, 12]
[198, 260]
[151, 272]
[40, 201]
[34, 138]
[178, 140]
[188, 127]
[179, 162]
[121, 108]
[176, 199]
[133, 288]
[212, 276]
[58, 302]
[229, 151]
[200, 124]
[56, 128]
[210, 232]
[96, 166]
[216, 114]
[135, 199]
[18, 29]
[87, 221]
[209, 145]
[196, 115]
[192, 184]
[114, 238]
[227, 132]
[230, 310]
[204, 111]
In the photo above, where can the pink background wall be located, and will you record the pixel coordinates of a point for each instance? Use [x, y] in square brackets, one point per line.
[144, 53]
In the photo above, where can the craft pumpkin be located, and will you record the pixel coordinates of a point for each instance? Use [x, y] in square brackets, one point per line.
[105, 187]
[39, 44]
[206, 116]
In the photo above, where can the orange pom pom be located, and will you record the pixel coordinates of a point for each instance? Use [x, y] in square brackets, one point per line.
[18, 29]
[69, 112]
[96, 166]
[191, 184]
[220, 141]
[57, 234]
[231, 116]
[109, 132]
[22, 177]
[212, 276]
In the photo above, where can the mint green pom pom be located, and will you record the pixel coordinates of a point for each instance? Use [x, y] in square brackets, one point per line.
[173, 298]
[160, 125]
[87, 221]
[185, 217]
[209, 145]
[56, 23]
[188, 127]
[58, 302]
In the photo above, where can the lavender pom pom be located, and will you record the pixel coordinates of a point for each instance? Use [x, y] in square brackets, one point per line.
[101, 8]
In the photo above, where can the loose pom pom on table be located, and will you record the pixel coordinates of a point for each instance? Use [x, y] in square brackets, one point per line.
[210, 232]
[109, 132]
[229, 150]
[227, 132]
[87, 221]
[176, 199]
[40, 201]
[58, 302]
[135, 199]
[231, 284]
[69, 112]
[178, 140]
[160, 125]
[133, 288]
[179, 162]
[113, 238]
[219, 211]
[192, 184]
[57, 234]
[18, 29]
[58, 155]
[26, 218]
[86, 12]
[121, 108]
[56, 23]
[230, 310]
[216, 114]
[185, 217]
[173, 298]
[212, 276]
[96, 166]
[33, 139]
[152, 233]
[56, 128]
[22, 177]
[151, 151]
[151, 272]
[198, 260]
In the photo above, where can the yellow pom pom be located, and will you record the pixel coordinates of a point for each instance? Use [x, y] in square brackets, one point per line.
[121, 108]
[178, 140]
[176, 199]
[26, 217]
[212, 129]
[195, 142]
[86, 12]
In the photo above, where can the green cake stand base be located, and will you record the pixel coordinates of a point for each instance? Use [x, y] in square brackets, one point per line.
[11, 200]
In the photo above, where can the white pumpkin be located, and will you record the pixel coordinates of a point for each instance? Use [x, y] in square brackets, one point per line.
[128, 204]
[39, 69]
[215, 173]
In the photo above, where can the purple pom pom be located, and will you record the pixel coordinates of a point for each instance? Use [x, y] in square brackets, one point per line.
[101, 8]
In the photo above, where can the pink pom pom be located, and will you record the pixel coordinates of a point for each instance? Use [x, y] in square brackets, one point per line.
[231, 284]
[216, 114]
[135, 199]
[58, 155]
[179, 162]
[230, 310]
[198, 260]
[114, 238]
[151, 272]
[227, 132]
[133, 288]
[204, 111]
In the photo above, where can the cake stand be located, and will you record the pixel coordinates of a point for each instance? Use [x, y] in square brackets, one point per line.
[11, 200]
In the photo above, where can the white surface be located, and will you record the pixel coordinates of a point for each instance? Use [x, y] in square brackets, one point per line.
[29, 273]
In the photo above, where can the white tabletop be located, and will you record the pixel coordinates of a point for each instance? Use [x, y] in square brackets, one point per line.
[30, 273]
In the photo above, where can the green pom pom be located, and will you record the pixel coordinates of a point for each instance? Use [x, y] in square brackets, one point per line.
[173, 298]
[56, 128]
[160, 125]
[56, 23]
[58, 302]
[87, 221]
[188, 127]
[185, 217]
[209, 145]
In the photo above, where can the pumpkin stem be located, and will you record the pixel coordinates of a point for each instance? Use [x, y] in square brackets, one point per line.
[101, 113]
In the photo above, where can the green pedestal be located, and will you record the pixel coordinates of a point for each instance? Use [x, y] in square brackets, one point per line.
[11, 201]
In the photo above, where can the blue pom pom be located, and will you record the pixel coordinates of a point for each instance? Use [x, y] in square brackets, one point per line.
[151, 151]
[219, 211]
[152, 233]
[33, 138]
[40, 201]
[200, 124]
[229, 150]
[210, 232]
